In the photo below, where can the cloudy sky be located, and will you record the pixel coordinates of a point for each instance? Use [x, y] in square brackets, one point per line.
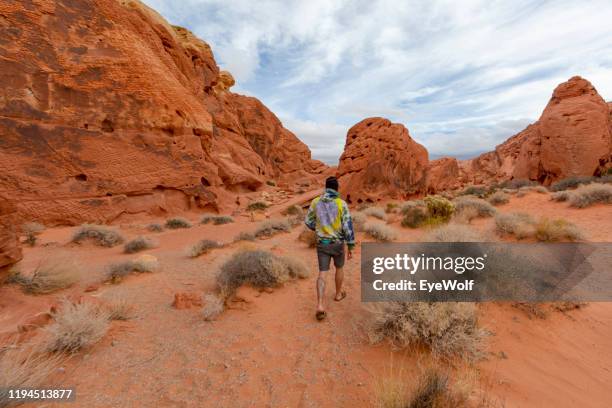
[461, 75]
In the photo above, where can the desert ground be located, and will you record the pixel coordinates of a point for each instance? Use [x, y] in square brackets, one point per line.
[267, 349]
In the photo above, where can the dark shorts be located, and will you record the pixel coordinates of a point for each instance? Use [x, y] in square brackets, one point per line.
[325, 253]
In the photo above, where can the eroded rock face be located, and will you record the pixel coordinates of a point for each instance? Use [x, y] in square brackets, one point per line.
[380, 160]
[444, 174]
[10, 250]
[107, 109]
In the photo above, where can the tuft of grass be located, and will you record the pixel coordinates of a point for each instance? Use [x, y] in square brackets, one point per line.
[375, 212]
[596, 193]
[380, 231]
[76, 326]
[245, 236]
[434, 390]
[257, 206]
[439, 207]
[155, 227]
[499, 198]
[560, 196]
[216, 219]
[359, 219]
[414, 217]
[203, 247]
[213, 307]
[137, 245]
[98, 234]
[308, 237]
[120, 309]
[482, 207]
[454, 233]
[49, 276]
[521, 225]
[448, 329]
[557, 230]
[142, 264]
[269, 228]
[258, 268]
[177, 223]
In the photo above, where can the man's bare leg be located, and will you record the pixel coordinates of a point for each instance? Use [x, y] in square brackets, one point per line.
[321, 291]
[339, 281]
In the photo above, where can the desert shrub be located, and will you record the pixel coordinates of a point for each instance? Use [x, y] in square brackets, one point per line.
[560, 196]
[454, 233]
[203, 247]
[245, 236]
[380, 232]
[499, 198]
[258, 268]
[120, 309]
[434, 390]
[359, 219]
[375, 212]
[216, 219]
[588, 195]
[517, 183]
[138, 244]
[509, 190]
[557, 230]
[466, 215]
[257, 206]
[439, 207]
[34, 228]
[24, 366]
[76, 326]
[295, 267]
[408, 205]
[271, 183]
[478, 191]
[571, 182]
[308, 237]
[520, 225]
[155, 227]
[448, 329]
[414, 217]
[98, 234]
[294, 210]
[143, 264]
[392, 208]
[482, 207]
[271, 227]
[213, 307]
[524, 190]
[50, 275]
[177, 223]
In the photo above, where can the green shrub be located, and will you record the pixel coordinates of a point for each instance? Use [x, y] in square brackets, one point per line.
[439, 207]
[596, 193]
[101, 236]
[177, 223]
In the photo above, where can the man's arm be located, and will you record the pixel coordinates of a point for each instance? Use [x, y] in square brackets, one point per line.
[311, 216]
[347, 227]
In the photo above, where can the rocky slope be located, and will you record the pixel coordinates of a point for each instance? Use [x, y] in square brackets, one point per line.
[107, 109]
[10, 251]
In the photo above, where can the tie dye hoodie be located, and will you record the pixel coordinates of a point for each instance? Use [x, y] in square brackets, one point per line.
[330, 218]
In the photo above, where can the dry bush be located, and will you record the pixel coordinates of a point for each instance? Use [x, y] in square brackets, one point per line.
[216, 219]
[538, 189]
[245, 236]
[213, 307]
[411, 204]
[143, 264]
[257, 206]
[177, 223]
[483, 208]
[380, 231]
[138, 244]
[203, 247]
[392, 208]
[120, 309]
[466, 215]
[454, 233]
[359, 219]
[414, 216]
[375, 212]
[448, 329]
[50, 275]
[591, 194]
[571, 182]
[294, 210]
[24, 366]
[557, 230]
[561, 196]
[271, 227]
[98, 234]
[258, 268]
[499, 198]
[308, 237]
[478, 191]
[33, 228]
[517, 183]
[295, 267]
[76, 326]
[520, 225]
[155, 227]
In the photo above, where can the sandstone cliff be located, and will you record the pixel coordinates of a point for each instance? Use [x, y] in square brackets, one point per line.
[10, 251]
[107, 109]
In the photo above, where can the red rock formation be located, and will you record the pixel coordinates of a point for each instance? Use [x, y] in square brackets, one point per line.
[444, 174]
[107, 109]
[380, 160]
[10, 250]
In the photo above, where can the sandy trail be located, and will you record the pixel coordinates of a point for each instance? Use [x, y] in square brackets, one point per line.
[270, 351]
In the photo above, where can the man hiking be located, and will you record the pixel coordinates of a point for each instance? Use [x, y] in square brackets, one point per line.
[329, 217]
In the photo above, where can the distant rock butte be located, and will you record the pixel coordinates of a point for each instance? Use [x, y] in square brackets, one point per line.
[573, 137]
[109, 110]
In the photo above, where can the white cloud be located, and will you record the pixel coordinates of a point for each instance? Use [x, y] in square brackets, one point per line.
[462, 76]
